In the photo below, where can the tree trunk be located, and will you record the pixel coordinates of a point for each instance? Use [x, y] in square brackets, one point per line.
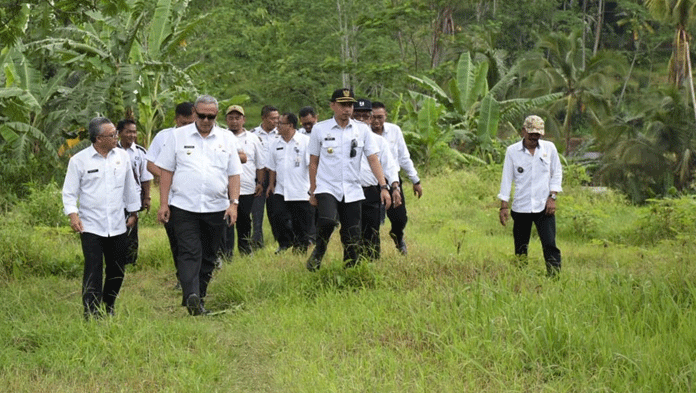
[598, 28]
[690, 77]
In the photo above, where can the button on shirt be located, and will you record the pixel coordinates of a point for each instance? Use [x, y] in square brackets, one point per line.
[251, 145]
[290, 162]
[339, 174]
[395, 138]
[535, 176]
[103, 187]
[201, 167]
[389, 166]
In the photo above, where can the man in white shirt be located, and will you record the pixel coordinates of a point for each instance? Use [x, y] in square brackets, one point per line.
[372, 207]
[336, 147]
[100, 180]
[533, 165]
[395, 138]
[251, 181]
[308, 118]
[267, 131]
[288, 164]
[128, 134]
[183, 116]
[201, 167]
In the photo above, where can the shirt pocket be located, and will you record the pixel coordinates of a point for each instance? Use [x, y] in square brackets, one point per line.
[331, 148]
[220, 159]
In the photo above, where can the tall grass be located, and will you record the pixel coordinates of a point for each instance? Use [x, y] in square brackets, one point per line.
[455, 315]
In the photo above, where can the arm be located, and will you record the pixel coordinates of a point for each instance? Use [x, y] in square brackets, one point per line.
[154, 169]
[376, 168]
[71, 187]
[271, 183]
[233, 191]
[146, 200]
[165, 186]
[505, 187]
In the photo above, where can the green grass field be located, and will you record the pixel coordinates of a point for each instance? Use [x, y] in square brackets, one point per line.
[455, 315]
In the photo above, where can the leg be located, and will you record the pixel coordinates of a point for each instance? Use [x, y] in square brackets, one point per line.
[115, 256]
[257, 218]
[370, 220]
[169, 229]
[398, 218]
[546, 228]
[212, 227]
[187, 229]
[349, 215]
[521, 230]
[93, 252]
[327, 207]
[243, 224]
[302, 219]
[280, 220]
[228, 241]
[132, 244]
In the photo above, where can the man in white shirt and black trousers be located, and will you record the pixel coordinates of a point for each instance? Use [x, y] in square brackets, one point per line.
[201, 167]
[336, 147]
[533, 165]
[100, 180]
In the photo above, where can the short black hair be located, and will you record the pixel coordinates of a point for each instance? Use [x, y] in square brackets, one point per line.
[268, 109]
[291, 118]
[95, 127]
[307, 110]
[184, 109]
[122, 124]
[377, 105]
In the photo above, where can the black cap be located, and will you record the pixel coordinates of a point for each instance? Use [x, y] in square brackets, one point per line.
[343, 95]
[362, 105]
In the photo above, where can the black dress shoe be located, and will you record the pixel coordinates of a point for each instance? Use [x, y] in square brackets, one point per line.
[193, 304]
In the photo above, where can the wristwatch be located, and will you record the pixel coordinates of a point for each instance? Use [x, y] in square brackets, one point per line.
[235, 201]
[552, 196]
[384, 187]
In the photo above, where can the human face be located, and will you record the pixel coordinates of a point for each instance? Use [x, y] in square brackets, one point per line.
[308, 122]
[205, 117]
[342, 111]
[379, 116]
[285, 128]
[363, 116]
[184, 120]
[107, 138]
[128, 135]
[235, 122]
[270, 121]
[531, 140]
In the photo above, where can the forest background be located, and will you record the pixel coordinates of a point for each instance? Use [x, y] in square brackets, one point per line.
[611, 78]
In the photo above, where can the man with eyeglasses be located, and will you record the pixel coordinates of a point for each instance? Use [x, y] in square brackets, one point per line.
[201, 167]
[100, 180]
[336, 147]
[372, 212]
[267, 131]
[128, 134]
[288, 163]
[395, 138]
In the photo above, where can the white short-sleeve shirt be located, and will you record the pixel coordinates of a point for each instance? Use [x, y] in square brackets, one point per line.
[251, 145]
[290, 161]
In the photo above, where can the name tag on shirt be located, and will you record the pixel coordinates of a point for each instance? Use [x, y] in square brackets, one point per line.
[189, 147]
[329, 138]
[93, 170]
[279, 148]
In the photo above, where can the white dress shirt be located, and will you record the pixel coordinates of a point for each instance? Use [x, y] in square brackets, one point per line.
[138, 158]
[156, 145]
[251, 145]
[103, 187]
[201, 167]
[339, 174]
[389, 166]
[266, 139]
[535, 176]
[395, 138]
[290, 162]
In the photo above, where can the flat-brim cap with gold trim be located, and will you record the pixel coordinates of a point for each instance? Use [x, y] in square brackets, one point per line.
[534, 125]
[343, 95]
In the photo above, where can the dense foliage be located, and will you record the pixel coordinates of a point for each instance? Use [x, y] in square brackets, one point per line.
[459, 76]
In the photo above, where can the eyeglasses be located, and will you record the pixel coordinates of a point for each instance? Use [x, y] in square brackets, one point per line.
[353, 145]
[362, 116]
[379, 117]
[203, 116]
[112, 136]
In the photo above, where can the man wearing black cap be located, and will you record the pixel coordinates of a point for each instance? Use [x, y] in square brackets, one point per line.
[336, 148]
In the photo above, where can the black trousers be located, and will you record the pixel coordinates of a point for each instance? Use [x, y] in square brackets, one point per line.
[198, 238]
[294, 219]
[169, 229]
[546, 228]
[132, 233]
[370, 221]
[107, 254]
[331, 212]
[257, 217]
[398, 218]
[243, 227]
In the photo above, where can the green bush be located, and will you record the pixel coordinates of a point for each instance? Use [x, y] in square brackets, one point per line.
[43, 206]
